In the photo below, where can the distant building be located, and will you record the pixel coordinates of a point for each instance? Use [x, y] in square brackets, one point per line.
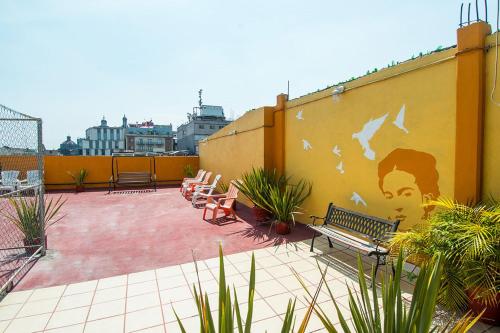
[69, 147]
[148, 137]
[140, 137]
[103, 139]
[204, 121]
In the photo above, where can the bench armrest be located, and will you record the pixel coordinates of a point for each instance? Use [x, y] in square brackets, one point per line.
[316, 218]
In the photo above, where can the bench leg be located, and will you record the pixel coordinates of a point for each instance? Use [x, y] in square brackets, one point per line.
[376, 269]
[312, 241]
[329, 242]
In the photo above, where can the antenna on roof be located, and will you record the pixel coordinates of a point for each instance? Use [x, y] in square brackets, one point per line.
[200, 101]
[288, 89]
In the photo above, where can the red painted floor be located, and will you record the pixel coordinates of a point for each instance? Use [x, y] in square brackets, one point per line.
[104, 235]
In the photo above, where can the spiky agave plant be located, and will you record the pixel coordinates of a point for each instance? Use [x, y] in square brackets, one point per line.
[25, 215]
[79, 178]
[229, 313]
[285, 202]
[395, 315]
[256, 184]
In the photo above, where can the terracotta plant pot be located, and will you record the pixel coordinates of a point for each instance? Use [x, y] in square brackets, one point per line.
[79, 188]
[491, 315]
[282, 228]
[35, 242]
[261, 215]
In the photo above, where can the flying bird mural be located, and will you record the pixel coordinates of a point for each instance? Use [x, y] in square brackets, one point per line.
[400, 120]
[340, 167]
[306, 144]
[358, 199]
[299, 115]
[366, 134]
[336, 150]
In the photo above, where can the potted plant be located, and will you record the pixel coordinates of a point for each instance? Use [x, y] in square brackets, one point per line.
[255, 185]
[25, 216]
[469, 238]
[188, 171]
[284, 202]
[79, 179]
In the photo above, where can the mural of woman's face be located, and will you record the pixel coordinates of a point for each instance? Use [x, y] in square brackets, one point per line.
[405, 198]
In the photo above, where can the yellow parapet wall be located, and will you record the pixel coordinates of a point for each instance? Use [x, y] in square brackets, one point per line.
[382, 147]
[385, 144]
[169, 169]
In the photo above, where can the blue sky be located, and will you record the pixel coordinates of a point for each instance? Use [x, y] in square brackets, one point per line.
[71, 62]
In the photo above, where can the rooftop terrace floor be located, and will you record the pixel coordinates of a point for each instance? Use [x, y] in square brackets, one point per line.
[104, 235]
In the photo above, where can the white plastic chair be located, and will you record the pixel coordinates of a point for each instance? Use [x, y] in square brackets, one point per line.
[9, 181]
[204, 190]
[187, 183]
[33, 178]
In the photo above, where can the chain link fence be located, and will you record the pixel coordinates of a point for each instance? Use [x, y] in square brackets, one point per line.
[22, 236]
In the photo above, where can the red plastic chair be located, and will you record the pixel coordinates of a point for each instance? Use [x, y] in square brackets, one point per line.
[224, 202]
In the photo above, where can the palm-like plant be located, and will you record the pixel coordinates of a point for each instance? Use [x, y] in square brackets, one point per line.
[25, 215]
[469, 238]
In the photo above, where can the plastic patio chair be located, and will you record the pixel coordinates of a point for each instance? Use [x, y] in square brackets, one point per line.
[186, 181]
[32, 180]
[201, 191]
[189, 190]
[222, 202]
[9, 181]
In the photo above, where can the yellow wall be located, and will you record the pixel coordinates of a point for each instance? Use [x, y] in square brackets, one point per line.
[491, 142]
[231, 154]
[168, 168]
[427, 92]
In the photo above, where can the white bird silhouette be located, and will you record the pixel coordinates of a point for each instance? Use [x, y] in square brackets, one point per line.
[307, 145]
[299, 115]
[340, 167]
[366, 134]
[358, 199]
[336, 151]
[400, 120]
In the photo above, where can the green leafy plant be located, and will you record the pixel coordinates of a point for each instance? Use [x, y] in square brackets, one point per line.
[395, 315]
[284, 203]
[25, 215]
[188, 171]
[256, 185]
[229, 313]
[79, 178]
[469, 238]
[223, 186]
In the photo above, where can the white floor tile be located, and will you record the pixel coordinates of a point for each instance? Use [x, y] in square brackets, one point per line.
[112, 282]
[107, 309]
[75, 301]
[144, 301]
[106, 325]
[82, 287]
[68, 317]
[28, 324]
[46, 293]
[142, 319]
[109, 294]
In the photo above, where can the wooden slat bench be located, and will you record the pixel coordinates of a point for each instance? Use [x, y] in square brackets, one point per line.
[363, 232]
[127, 179]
